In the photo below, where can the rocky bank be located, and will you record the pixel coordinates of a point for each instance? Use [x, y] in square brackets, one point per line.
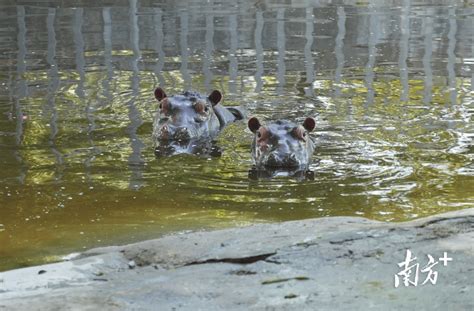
[336, 263]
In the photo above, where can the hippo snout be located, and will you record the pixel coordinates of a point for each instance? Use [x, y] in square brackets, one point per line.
[168, 132]
[182, 133]
[276, 160]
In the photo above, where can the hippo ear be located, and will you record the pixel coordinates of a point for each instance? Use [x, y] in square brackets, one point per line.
[309, 124]
[254, 124]
[159, 93]
[215, 97]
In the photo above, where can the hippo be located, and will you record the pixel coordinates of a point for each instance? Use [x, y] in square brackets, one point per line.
[282, 148]
[189, 122]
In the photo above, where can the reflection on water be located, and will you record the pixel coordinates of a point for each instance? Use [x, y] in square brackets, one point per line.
[391, 89]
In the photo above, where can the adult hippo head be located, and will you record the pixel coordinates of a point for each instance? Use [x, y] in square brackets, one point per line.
[282, 145]
[187, 122]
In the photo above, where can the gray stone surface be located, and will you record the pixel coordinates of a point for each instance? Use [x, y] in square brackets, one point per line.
[337, 263]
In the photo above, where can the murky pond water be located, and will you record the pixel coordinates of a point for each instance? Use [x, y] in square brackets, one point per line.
[390, 87]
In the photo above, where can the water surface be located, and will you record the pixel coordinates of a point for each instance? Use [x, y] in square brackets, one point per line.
[390, 87]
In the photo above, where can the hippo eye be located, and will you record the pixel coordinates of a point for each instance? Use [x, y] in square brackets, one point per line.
[259, 135]
[200, 107]
[299, 133]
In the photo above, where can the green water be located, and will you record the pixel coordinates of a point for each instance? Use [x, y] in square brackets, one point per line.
[391, 89]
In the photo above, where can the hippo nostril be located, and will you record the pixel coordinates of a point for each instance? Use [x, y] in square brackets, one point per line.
[292, 160]
[182, 134]
[272, 160]
[165, 131]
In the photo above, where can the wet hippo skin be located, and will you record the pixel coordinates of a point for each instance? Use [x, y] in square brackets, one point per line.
[281, 147]
[188, 122]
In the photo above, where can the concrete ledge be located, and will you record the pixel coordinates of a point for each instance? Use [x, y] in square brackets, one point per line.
[326, 263]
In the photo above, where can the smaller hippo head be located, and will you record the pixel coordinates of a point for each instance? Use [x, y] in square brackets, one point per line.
[185, 117]
[282, 144]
